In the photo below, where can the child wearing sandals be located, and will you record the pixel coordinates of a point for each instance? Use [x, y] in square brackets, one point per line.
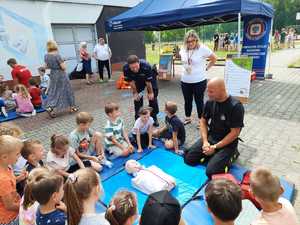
[28, 206]
[141, 133]
[63, 159]
[116, 138]
[87, 142]
[122, 209]
[82, 191]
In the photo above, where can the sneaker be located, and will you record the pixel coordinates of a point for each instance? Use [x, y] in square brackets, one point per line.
[33, 112]
[3, 111]
[111, 80]
[107, 163]
[180, 152]
[101, 81]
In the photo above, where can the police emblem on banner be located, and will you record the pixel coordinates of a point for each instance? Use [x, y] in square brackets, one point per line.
[256, 29]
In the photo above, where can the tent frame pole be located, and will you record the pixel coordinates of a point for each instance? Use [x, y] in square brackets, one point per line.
[107, 42]
[269, 75]
[239, 34]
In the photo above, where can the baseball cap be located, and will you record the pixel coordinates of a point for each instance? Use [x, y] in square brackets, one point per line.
[161, 208]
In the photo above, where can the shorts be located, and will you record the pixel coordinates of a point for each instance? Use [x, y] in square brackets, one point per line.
[116, 151]
[168, 135]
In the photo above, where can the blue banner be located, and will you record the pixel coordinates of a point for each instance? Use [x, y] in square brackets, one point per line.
[256, 42]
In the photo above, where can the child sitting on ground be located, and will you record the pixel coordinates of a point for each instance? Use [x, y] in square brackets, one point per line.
[173, 132]
[23, 101]
[142, 131]
[35, 94]
[266, 189]
[45, 80]
[8, 128]
[122, 209]
[224, 201]
[47, 190]
[7, 102]
[161, 208]
[82, 191]
[33, 152]
[10, 148]
[28, 206]
[116, 138]
[60, 156]
[86, 142]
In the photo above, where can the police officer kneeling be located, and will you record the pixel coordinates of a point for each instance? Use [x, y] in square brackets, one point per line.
[220, 126]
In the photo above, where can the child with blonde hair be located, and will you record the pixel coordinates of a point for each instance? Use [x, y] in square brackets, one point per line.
[10, 148]
[82, 191]
[267, 190]
[122, 209]
[116, 138]
[23, 101]
[28, 206]
[63, 159]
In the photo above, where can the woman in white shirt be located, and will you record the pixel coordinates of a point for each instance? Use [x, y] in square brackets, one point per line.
[194, 78]
[102, 53]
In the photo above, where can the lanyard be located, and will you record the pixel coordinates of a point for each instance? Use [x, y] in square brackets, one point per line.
[190, 56]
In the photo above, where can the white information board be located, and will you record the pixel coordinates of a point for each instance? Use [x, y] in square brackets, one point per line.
[238, 77]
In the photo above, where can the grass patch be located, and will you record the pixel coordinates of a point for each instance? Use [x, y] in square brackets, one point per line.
[295, 64]
[153, 56]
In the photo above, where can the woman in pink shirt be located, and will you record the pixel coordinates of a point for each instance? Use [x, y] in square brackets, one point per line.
[86, 63]
[23, 101]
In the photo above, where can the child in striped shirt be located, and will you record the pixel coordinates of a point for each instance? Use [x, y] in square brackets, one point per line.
[116, 138]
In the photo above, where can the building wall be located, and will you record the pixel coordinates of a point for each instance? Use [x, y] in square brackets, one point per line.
[122, 44]
[25, 26]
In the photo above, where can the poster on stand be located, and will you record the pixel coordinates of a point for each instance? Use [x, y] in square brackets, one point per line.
[237, 76]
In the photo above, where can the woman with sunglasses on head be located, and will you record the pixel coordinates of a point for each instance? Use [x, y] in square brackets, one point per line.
[194, 78]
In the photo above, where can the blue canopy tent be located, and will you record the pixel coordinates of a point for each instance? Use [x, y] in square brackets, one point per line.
[171, 14]
[157, 15]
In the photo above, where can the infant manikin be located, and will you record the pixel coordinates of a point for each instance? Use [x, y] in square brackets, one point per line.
[149, 180]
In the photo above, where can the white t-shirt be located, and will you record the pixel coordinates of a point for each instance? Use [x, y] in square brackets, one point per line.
[197, 64]
[153, 179]
[286, 215]
[93, 219]
[102, 52]
[142, 127]
[57, 163]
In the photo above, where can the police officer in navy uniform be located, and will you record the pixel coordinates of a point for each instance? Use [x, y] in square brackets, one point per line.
[140, 74]
[220, 126]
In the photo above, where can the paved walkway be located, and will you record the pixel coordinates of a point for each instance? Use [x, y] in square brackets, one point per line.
[272, 120]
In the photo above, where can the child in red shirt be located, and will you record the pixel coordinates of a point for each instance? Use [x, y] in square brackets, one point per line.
[20, 74]
[35, 93]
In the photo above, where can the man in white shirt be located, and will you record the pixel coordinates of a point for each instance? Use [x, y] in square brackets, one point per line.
[102, 54]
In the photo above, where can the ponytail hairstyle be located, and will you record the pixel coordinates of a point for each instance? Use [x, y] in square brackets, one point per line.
[58, 141]
[28, 200]
[122, 207]
[22, 90]
[78, 188]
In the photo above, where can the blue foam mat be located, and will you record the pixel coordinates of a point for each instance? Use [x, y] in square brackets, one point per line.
[13, 115]
[188, 178]
[118, 163]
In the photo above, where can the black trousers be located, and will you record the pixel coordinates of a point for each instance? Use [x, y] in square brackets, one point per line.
[76, 167]
[219, 162]
[144, 140]
[101, 65]
[152, 103]
[192, 91]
